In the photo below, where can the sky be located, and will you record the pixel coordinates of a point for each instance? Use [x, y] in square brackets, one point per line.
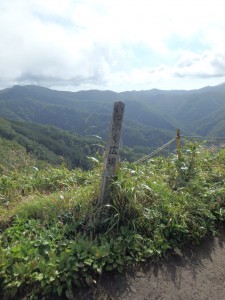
[112, 44]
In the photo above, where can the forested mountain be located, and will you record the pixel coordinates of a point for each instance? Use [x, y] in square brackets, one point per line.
[47, 143]
[20, 141]
[151, 117]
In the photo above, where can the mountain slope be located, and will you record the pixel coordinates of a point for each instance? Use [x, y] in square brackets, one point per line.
[84, 112]
[49, 143]
[151, 117]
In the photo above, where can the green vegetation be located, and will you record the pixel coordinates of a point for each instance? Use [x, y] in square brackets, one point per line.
[151, 117]
[86, 113]
[14, 156]
[54, 237]
[40, 144]
[48, 143]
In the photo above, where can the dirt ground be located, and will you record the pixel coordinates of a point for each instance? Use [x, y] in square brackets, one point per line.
[195, 273]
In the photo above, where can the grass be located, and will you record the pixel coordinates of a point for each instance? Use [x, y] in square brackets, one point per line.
[55, 237]
[13, 156]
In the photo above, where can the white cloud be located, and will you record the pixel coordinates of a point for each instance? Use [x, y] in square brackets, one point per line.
[96, 43]
[205, 65]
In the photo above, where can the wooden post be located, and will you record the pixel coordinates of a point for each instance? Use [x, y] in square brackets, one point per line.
[112, 150]
[178, 144]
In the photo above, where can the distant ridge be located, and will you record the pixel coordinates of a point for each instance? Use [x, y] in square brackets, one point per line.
[151, 116]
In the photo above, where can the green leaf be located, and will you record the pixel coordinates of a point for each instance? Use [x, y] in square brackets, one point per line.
[39, 277]
[59, 290]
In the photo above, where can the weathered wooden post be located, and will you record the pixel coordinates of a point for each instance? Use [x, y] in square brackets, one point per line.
[111, 157]
[178, 142]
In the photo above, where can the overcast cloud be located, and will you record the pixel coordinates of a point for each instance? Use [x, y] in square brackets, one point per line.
[112, 44]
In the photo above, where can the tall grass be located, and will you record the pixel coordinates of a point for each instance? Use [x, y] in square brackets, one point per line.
[42, 189]
[58, 237]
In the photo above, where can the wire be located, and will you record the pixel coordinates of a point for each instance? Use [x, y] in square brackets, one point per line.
[154, 152]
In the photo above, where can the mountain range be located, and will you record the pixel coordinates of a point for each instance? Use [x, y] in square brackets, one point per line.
[151, 117]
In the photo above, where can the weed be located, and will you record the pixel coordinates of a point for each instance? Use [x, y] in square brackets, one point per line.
[53, 239]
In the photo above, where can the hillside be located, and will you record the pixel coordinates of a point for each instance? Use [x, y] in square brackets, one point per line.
[48, 143]
[55, 237]
[85, 113]
[151, 117]
[13, 156]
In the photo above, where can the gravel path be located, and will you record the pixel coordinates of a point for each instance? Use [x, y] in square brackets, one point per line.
[196, 273]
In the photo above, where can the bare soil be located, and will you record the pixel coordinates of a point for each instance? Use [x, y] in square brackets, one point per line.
[198, 272]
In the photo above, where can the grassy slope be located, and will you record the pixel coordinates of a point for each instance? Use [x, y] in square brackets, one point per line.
[49, 143]
[13, 156]
[53, 239]
[57, 146]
